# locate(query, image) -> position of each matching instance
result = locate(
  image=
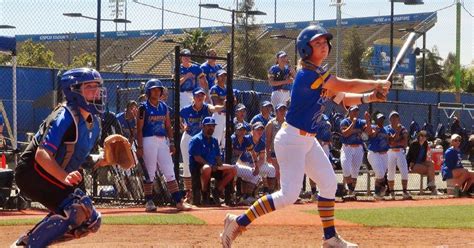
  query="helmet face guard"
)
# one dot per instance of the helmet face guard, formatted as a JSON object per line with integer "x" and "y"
{"x": 95, "y": 106}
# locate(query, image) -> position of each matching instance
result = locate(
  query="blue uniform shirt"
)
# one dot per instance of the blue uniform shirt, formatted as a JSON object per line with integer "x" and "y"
{"x": 126, "y": 124}
{"x": 259, "y": 118}
{"x": 154, "y": 119}
{"x": 452, "y": 160}
{"x": 191, "y": 83}
{"x": 307, "y": 99}
{"x": 193, "y": 118}
{"x": 207, "y": 148}
{"x": 210, "y": 72}
{"x": 53, "y": 139}
{"x": 323, "y": 130}
{"x": 280, "y": 75}
{"x": 217, "y": 91}
{"x": 391, "y": 131}
{"x": 246, "y": 145}
{"x": 379, "y": 142}
{"x": 258, "y": 148}
{"x": 355, "y": 138}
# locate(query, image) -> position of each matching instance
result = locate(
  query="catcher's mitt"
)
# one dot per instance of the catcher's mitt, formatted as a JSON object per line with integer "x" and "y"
{"x": 117, "y": 150}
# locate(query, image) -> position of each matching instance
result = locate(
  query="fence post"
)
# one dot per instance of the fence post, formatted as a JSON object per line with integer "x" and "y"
{"x": 117, "y": 93}
{"x": 430, "y": 112}
{"x": 368, "y": 180}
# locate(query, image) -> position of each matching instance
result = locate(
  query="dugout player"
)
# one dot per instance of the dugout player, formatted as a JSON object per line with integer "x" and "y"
{"x": 191, "y": 76}
{"x": 218, "y": 94}
{"x": 153, "y": 131}
{"x": 453, "y": 168}
{"x": 240, "y": 115}
{"x": 352, "y": 151}
{"x": 128, "y": 120}
{"x": 271, "y": 130}
{"x": 191, "y": 118}
{"x": 280, "y": 77}
{"x": 210, "y": 68}
{"x": 377, "y": 155}
{"x": 398, "y": 140}
{"x": 48, "y": 173}
{"x": 296, "y": 148}
{"x": 265, "y": 113}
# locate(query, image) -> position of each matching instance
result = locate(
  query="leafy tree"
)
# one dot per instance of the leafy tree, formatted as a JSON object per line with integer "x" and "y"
{"x": 84, "y": 60}
{"x": 468, "y": 82}
{"x": 5, "y": 59}
{"x": 197, "y": 42}
{"x": 251, "y": 53}
{"x": 355, "y": 50}
{"x": 36, "y": 54}
{"x": 434, "y": 71}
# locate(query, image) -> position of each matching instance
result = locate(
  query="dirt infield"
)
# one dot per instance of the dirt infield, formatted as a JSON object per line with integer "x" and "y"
{"x": 289, "y": 227}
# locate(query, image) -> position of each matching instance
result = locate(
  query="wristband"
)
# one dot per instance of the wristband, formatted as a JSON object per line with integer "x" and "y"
{"x": 364, "y": 98}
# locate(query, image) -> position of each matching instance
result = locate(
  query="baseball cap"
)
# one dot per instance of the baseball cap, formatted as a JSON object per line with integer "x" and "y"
{"x": 257, "y": 125}
{"x": 281, "y": 54}
{"x": 353, "y": 107}
{"x": 186, "y": 52}
{"x": 393, "y": 113}
{"x": 281, "y": 105}
{"x": 208, "y": 121}
{"x": 239, "y": 125}
{"x": 265, "y": 103}
{"x": 239, "y": 107}
{"x": 220, "y": 72}
{"x": 198, "y": 90}
{"x": 379, "y": 115}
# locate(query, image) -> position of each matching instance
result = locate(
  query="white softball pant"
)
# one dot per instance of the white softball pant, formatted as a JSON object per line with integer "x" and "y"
{"x": 185, "y": 99}
{"x": 298, "y": 155}
{"x": 184, "y": 146}
{"x": 326, "y": 149}
{"x": 156, "y": 152}
{"x": 397, "y": 159}
{"x": 351, "y": 160}
{"x": 245, "y": 172}
{"x": 219, "y": 131}
{"x": 379, "y": 163}
{"x": 279, "y": 96}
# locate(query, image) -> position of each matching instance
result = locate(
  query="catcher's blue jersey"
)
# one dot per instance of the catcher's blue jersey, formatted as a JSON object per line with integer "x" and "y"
{"x": 154, "y": 119}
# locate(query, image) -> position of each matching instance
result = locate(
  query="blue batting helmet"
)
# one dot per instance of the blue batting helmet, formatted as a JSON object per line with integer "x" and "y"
{"x": 308, "y": 34}
{"x": 70, "y": 84}
{"x": 153, "y": 83}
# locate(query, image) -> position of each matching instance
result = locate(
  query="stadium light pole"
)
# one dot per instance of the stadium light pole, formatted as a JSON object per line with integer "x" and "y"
{"x": 406, "y": 2}
{"x": 423, "y": 50}
{"x": 98, "y": 32}
{"x": 282, "y": 36}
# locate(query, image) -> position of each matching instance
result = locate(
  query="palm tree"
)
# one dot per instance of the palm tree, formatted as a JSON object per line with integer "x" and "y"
{"x": 197, "y": 42}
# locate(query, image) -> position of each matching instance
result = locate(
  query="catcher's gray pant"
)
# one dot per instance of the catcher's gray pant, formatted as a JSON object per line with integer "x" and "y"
{"x": 279, "y": 96}
{"x": 184, "y": 146}
{"x": 245, "y": 172}
{"x": 351, "y": 160}
{"x": 379, "y": 163}
{"x": 156, "y": 152}
{"x": 185, "y": 99}
{"x": 396, "y": 158}
{"x": 219, "y": 131}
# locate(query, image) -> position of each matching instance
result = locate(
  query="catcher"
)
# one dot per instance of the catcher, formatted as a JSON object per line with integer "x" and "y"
{"x": 48, "y": 169}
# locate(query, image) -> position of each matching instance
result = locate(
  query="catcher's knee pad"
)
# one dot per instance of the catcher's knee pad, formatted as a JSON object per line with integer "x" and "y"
{"x": 76, "y": 213}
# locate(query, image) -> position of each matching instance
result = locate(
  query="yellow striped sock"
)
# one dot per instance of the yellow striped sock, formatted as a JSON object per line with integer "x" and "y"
{"x": 326, "y": 213}
{"x": 262, "y": 206}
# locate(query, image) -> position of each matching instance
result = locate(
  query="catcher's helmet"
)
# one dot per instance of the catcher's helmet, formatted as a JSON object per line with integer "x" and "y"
{"x": 70, "y": 84}
{"x": 153, "y": 83}
{"x": 308, "y": 34}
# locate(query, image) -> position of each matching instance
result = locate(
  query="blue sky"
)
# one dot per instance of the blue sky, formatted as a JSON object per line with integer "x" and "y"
{"x": 45, "y": 16}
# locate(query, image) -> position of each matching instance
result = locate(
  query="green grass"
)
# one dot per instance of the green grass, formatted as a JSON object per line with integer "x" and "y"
{"x": 174, "y": 219}
{"x": 414, "y": 217}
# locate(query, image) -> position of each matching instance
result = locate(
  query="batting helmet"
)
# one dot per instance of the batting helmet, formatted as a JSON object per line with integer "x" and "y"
{"x": 151, "y": 84}
{"x": 308, "y": 34}
{"x": 70, "y": 84}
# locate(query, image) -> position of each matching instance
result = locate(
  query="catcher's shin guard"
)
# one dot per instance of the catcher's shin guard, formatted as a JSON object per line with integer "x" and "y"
{"x": 78, "y": 219}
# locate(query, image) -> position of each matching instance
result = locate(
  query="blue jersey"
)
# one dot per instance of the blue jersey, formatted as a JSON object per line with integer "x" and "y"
{"x": 323, "y": 130}
{"x": 217, "y": 91}
{"x": 279, "y": 74}
{"x": 257, "y": 148}
{"x": 307, "y": 99}
{"x": 452, "y": 160}
{"x": 191, "y": 83}
{"x": 154, "y": 119}
{"x": 392, "y": 131}
{"x": 379, "y": 142}
{"x": 53, "y": 139}
{"x": 210, "y": 72}
{"x": 246, "y": 145}
{"x": 247, "y": 126}
{"x": 207, "y": 148}
{"x": 259, "y": 118}
{"x": 126, "y": 124}
{"x": 193, "y": 118}
{"x": 356, "y": 137}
